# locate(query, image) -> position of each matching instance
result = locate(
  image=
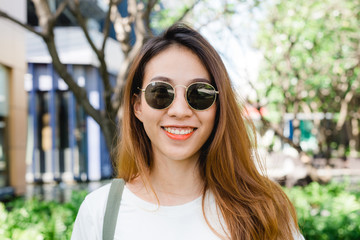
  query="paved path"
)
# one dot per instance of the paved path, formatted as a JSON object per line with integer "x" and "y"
{"x": 278, "y": 166}
{"x": 61, "y": 191}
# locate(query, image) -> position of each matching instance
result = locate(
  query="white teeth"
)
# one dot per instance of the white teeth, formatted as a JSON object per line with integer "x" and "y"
{"x": 178, "y": 131}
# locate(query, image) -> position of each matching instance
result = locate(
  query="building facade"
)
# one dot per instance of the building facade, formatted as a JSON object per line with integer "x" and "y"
{"x": 13, "y": 100}
{"x": 64, "y": 143}
{"x": 45, "y": 135}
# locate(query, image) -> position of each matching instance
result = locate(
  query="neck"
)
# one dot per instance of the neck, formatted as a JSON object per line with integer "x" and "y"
{"x": 175, "y": 182}
{"x": 176, "y": 177}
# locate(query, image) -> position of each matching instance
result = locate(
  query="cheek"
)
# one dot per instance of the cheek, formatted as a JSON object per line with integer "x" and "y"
{"x": 209, "y": 119}
{"x": 212, "y": 123}
{"x": 149, "y": 118}
{"x": 212, "y": 113}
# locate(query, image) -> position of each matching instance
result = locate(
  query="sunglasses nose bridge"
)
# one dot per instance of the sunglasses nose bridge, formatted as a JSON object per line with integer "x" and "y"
{"x": 179, "y": 96}
{"x": 183, "y": 86}
{"x": 180, "y": 86}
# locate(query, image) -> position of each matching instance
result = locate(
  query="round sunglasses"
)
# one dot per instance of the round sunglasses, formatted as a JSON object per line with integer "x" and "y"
{"x": 199, "y": 95}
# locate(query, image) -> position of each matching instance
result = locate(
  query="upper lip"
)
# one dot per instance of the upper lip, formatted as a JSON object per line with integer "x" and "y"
{"x": 177, "y": 126}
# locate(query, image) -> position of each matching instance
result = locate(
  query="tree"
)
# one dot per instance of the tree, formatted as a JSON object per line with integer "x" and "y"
{"x": 312, "y": 65}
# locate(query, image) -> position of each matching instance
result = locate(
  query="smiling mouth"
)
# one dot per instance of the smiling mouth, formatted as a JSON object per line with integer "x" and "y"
{"x": 178, "y": 133}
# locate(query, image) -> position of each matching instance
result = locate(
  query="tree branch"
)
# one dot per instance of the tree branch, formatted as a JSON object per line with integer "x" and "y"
{"x": 147, "y": 12}
{"x": 79, "y": 93}
{"x": 76, "y": 12}
{"x": 46, "y": 21}
{"x": 99, "y": 53}
{"x": 26, "y": 26}
{"x": 345, "y": 104}
{"x": 123, "y": 26}
{"x": 107, "y": 26}
{"x": 60, "y": 9}
{"x": 279, "y": 133}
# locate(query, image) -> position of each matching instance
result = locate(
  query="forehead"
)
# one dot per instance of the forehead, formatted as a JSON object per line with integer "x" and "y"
{"x": 177, "y": 64}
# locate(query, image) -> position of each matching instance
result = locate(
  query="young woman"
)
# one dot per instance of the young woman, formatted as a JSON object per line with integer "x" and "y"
{"x": 187, "y": 154}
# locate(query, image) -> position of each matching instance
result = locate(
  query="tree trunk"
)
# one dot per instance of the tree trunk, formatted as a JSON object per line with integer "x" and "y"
{"x": 354, "y": 137}
{"x": 111, "y": 134}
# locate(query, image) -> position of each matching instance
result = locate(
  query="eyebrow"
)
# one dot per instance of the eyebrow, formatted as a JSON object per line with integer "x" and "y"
{"x": 165, "y": 79}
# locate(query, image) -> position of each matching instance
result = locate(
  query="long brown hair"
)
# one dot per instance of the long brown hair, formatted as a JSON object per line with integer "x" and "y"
{"x": 252, "y": 206}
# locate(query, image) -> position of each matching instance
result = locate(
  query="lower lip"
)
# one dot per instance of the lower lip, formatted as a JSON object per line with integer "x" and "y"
{"x": 178, "y": 136}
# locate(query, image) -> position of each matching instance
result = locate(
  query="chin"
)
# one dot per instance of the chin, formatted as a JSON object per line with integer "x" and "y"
{"x": 185, "y": 158}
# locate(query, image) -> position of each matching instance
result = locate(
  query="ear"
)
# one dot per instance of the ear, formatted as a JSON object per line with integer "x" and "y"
{"x": 137, "y": 106}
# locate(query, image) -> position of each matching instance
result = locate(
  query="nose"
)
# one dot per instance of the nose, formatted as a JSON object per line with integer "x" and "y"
{"x": 179, "y": 107}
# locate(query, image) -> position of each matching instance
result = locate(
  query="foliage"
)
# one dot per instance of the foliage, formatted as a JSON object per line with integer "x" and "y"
{"x": 313, "y": 43}
{"x": 35, "y": 219}
{"x": 312, "y": 65}
{"x": 164, "y": 17}
{"x": 327, "y": 212}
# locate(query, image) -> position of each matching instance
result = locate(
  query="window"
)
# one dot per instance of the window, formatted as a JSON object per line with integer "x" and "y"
{"x": 4, "y": 109}
{"x": 44, "y": 132}
{"x": 3, "y": 158}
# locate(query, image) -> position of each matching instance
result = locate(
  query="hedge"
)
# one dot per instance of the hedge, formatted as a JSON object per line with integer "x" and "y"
{"x": 34, "y": 219}
{"x": 325, "y": 212}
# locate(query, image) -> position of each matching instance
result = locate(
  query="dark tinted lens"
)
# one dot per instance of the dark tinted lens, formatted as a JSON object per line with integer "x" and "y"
{"x": 159, "y": 95}
{"x": 201, "y": 96}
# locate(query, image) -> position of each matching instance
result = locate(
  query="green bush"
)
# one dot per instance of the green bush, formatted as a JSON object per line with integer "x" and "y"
{"x": 39, "y": 220}
{"x": 327, "y": 212}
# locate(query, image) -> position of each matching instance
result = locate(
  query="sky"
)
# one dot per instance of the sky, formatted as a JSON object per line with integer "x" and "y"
{"x": 234, "y": 43}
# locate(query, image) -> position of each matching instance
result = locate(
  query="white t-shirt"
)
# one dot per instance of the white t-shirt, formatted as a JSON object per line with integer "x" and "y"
{"x": 139, "y": 220}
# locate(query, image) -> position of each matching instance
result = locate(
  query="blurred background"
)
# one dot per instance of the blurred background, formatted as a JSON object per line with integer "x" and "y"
{"x": 295, "y": 66}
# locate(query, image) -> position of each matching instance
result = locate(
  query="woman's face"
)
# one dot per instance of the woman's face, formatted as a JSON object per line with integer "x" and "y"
{"x": 177, "y": 132}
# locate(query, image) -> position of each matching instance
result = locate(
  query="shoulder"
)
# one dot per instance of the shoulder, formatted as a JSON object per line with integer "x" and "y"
{"x": 89, "y": 220}
{"x": 98, "y": 197}
{"x": 94, "y": 204}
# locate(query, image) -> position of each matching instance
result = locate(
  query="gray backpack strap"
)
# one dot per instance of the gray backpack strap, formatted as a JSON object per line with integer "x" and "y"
{"x": 112, "y": 208}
